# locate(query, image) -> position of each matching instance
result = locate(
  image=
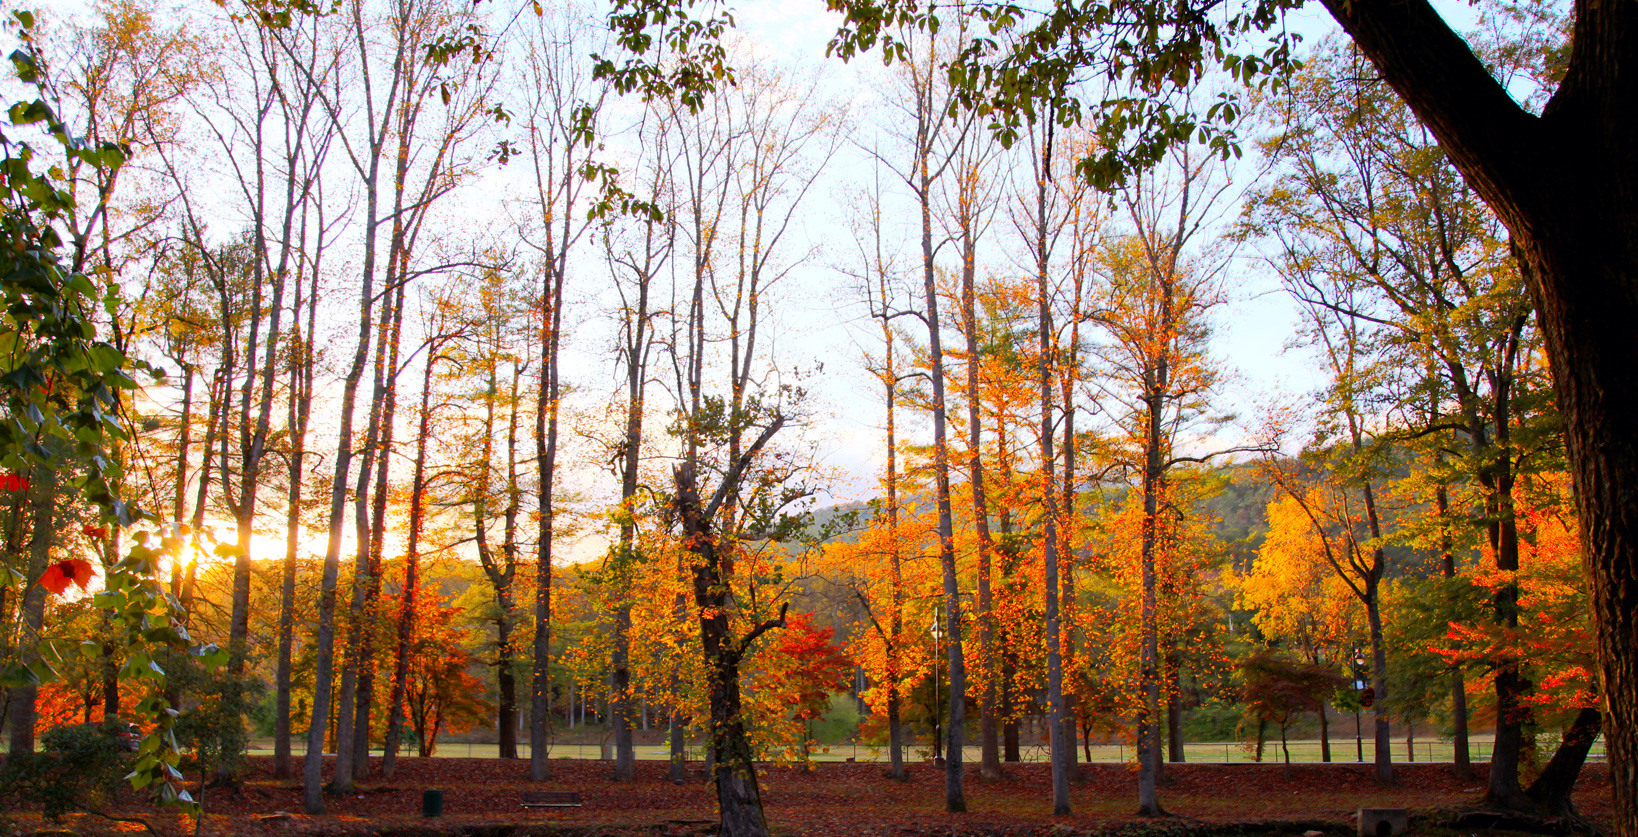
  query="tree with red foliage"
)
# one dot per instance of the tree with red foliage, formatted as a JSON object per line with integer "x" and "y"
{"x": 1551, "y": 645}
{"x": 795, "y": 682}
{"x": 443, "y": 695}
{"x": 1278, "y": 689}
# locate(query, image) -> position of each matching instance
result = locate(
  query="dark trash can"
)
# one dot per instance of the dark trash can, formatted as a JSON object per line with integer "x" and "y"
{"x": 432, "y": 803}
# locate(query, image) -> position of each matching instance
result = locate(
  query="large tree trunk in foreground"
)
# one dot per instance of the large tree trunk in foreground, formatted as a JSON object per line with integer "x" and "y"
{"x": 1566, "y": 185}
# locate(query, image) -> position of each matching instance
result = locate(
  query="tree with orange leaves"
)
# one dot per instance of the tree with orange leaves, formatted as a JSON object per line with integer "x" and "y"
{"x": 875, "y": 573}
{"x": 1181, "y": 562}
{"x": 1152, "y": 303}
{"x": 442, "y": 694}
{"x": 1551, "y": 644}
{"x": 790, "y": 684}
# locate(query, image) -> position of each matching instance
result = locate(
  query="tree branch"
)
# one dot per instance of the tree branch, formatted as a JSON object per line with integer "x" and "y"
{"x": 757, "y": 632}
{"x": 1488, "y": 136}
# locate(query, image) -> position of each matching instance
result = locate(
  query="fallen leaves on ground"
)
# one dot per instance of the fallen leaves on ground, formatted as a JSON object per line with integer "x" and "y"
{"x": 481, "y": 797}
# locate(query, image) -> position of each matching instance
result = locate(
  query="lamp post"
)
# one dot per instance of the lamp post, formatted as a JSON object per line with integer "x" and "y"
{"x": 1359, "y": 689}
{"x": 937, "y": 630}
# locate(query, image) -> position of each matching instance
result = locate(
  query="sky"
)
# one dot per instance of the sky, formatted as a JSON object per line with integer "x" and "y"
{"x": 818, "y": 317}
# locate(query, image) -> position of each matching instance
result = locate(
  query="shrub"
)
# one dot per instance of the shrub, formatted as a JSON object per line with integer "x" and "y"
{"x": 78, "y": 768}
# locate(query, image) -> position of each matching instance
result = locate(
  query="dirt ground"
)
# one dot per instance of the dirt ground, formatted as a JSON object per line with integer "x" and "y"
{"x": 481, "y": 799}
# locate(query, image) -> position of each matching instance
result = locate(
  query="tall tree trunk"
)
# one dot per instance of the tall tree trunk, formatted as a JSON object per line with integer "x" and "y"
{"x": 1011, "y": 752}
{"x": 366, "y": 576}
{"x": 1551, "y": 790}
{"x": 546, "y": 416}
{"x": 412, "y": 571}
{"x": 1069, "y": 365}
{"x": 1379, "y": 680}
{"x": 1458, "y": 687}
{"x": 1325, "y": 732}
{"x": 954, "y": 796}
{"x": 507, "y": 649}
{"x": 300, "y": 407}
{"x": 21, "y": 714}
{"x": 967, "y": 220}
{"x": 895, "y": 639}
{"x": 1059, "y": 746}
{"x": 739, "y": 799}
{"x": 324, "y": 662}
{"x": 1148, "y": 721}
{"x": 387, "y": 396}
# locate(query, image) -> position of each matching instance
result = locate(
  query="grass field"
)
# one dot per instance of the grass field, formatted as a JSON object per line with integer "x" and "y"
{"x": 1305, "y": 751}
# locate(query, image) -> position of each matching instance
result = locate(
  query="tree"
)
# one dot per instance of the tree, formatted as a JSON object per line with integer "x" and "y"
{"x": 560, "y": 162}
{"x": 400, "y": 90}
{"x": 796, "y": 678}
{"x": 972, "y": 205}
{"x": 1548, "y": 645}
{"x": 875, "y": 276}
{"x": 934, "y": 142}
{"x": 1152, "y": 302}
{"x": 1295, "y": 597}
{"x": 1041, "y": 238}
{"x": 1384, "y": 226}
{"x": 442, "y": 694}
{"x": 1278, "y": 689}
{"x": 442, "y": 334}
{"x": 742, "y": 170}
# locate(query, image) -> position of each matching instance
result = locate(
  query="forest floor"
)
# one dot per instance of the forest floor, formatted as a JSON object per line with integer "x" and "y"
{"x": 481, "y": 799}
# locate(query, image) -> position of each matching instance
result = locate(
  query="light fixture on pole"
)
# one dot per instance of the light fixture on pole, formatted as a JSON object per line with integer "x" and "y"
{"x": 937, "y": 630}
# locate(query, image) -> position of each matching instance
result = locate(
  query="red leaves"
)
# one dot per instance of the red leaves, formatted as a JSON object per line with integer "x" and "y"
{"x": 818, "y": 666}
{"x": 58, "y": 576}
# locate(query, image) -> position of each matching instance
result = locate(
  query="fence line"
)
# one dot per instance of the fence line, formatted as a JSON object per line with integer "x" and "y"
{"x": 1305, "y": 751}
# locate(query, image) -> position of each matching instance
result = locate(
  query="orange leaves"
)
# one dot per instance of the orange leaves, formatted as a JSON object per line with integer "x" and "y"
{"x": 813, "y": 667}
{"x": 1553, "y": 639}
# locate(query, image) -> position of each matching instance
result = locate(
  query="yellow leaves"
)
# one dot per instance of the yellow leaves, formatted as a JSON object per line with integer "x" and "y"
{"x": 1291, "y": 588}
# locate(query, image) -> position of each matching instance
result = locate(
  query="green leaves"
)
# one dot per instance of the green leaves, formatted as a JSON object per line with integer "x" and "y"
{"x": 694, "y": 61}
{"x": 58, "y": 394}
{"x": 57, "y": 380}
{"x": 1031, "y": 64}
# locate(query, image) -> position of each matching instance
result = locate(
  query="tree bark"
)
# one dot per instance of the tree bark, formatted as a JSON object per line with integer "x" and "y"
{"x": 405, "y": 632}
{"x": 301, "y": 396}
{"x": 954, "y": 796}
{"x": 1174, "y": 724}
{"x": 1566, "y": 185}
{"x": 1462, "y": 756}
{"x": 1325, "y": 733}
{"x": 1551, "y": 790}
{"x": 1060, "y": 748}
{"x": 739, "y": 799}
{"x": 21, "y": 714}
{"x": 1379, "y": 681}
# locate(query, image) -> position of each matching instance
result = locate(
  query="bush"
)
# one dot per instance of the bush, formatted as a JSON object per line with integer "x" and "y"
{"x": 1212, "y": 722}
{"x": 78, "y": 768}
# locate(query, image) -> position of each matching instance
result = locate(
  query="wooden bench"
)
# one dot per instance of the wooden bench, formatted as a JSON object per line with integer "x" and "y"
{"x": 551, "y": 799}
